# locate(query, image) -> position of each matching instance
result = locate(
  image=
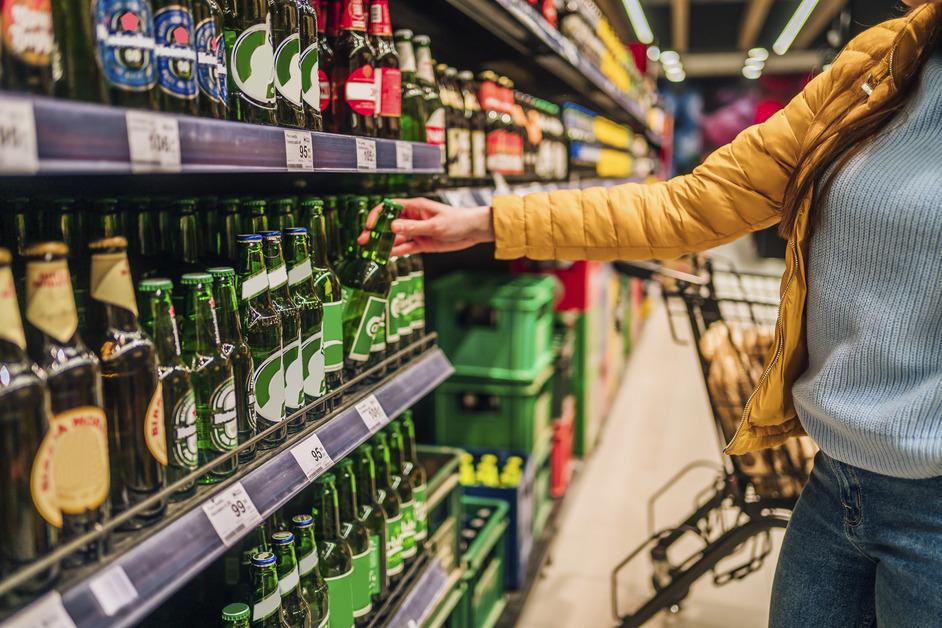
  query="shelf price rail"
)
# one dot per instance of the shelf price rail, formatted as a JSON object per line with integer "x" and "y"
{"x": 146, "y": 567}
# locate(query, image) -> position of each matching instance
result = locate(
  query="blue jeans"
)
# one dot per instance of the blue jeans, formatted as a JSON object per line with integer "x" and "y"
{"x": 861, "y": 549}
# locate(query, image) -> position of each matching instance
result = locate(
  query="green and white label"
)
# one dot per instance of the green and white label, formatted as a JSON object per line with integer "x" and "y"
{"x": 294, "y": 376}
{"x": 288, "y": 69}
{"x": 394, "y": 311}
{"x": 266, "y": 607}
{"x": 420, "y": 495}
{"x": 289, "y": 582}
{"x": 310, "y": 78}
{"x": 394, "y": 545}
{"x": 277, "y": 277}
{"x": 417, "y": 301}
{"x": 307, "y": 563}
{"x": 333, "y": 336}
{"x": 184, "y": 440}
{"x": 223, "y": 433}
{"x": 408, "y": 529}
{"x": 269, "y": 385}
{"x": 254, "y": 285}
{"x": 362, "y": 600}
{"x": 312, "y": 352}
{"x": 375, "y": 571}
{"x": 340, "y": 593}
{"x": 370, "y": 334}
{"x": 252, "y": 65}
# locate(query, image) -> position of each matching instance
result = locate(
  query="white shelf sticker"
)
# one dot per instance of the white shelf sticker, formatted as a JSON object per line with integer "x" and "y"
{"x": 154, "y": 142}
{"x": 232, "y": 512}
{"x": 18, "y": 146}
{"x": 113, "y": 590}
{"x": 299, "y": 149}
{"x": 403, "y": 156}
{"x": 312, "y": 457}
{"x": 366, "y": 154}
{"x": 46, "y": 612}
{"x": 373, "y": 415}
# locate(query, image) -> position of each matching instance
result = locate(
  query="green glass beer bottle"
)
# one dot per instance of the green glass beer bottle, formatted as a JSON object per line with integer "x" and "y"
{"x": 400, "y": 299}
{"x": 334, "y": 230}
{"x": 418, "y": 477}
{"x": 27, "y": 44}
{"x": 417, "y": 308}
{"x": 328, "y": 290}
{"x": 311, "y": 309}
{"x": 365, "y": 574}
{"x": 373, "y": 517}
{"x": 267, "y": 611}
{"x": 349, "y": 220}
{"x": 353, "y": 75}
{"x": 213, "y": 383}
{"x": 401, "y": 468}
{"x": 178, "y": 91}
{"x": 313, "y": 587}
{"x": 295, "y": 607}
{"x": 366, "y": 284}
{"x": 434, "y": 108}
{"x": 250, "y": 60}
{"x": 160, "y": 323}
{"x": 387, "y": 496}
{"x": 282, "y": 214}
{"x": 281, "y": 298}
{"x": 229, "y": 222}
{"x": 75, "y": 68}
{"x": 31, "y": 517}
{"x": 237, "y": 350}
{"x": 132, "y": 390}
{"x": 393, "y": 302}
{"x": 308, "y": 24}
{"x": 286, "y": 42}
{"x": 211, "y": 71}
{"x": 105, "y": 220}
{"x": 125, "y": 39}
{"x": 412, "y": 119}
{"x": 255, "y": 215}
{"x": 236, "y": 615}
{"x": 261, "y": 325}
{"x": 336, "y": 560}
{"x": 73, "y": 376}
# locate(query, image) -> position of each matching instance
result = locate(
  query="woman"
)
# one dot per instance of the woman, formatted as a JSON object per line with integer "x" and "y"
{"x": 851, "y": 170}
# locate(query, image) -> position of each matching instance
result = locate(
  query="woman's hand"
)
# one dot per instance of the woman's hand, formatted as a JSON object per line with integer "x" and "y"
{"x": 427, "y": 226}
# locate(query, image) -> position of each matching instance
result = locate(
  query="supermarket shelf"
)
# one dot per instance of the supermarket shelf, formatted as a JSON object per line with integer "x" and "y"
{"x": 81, "y": 138}
{"x": 418, "y": 594}
{"x": 129, "y": 584}
{"x": 475, "y": 196}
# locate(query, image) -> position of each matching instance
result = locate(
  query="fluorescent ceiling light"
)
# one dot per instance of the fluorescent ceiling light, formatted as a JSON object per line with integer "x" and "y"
{"x": 676, "y": 77}
{"x": 669, "y": 57}
{"x": 639, "y": 22}
{"x": 654, "y": 53}
{"x": 752, "y": 62}
{"x": 795, "y": 24}
{"x": 751, "y": 72}
{"x": 758, "y": 53}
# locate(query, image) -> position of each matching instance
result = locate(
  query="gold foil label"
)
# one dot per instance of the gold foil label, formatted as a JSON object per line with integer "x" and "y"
{"x": 11, "y": 326}
{"x": 50, "y": 304}
{"x": 111, "y": 281}
{"x": 154, "y": 426}
{"x": 42, "y": 481}
{"x": 80, "y": 459}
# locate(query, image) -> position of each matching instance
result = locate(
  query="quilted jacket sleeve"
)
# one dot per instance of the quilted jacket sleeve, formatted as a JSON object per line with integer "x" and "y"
{"x": 736, "y": 190}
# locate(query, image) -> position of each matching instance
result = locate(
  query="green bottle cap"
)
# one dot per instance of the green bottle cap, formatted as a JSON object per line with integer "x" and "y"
{"x": 302, "y": 521}
{"x": 153, "y": 285}
{"x": 192, "y": 279}
{"x": 263, "y": 559}
{"x": 345, "y": 463}
{"x": 282, "y": 537}
{"x": 185, "y": 203}
{"x": 255, "y": 204}
{"x": 236, "y": 612}
{"x": 221, "y": 271}
{"x": 105, "y": 203}
{"x": 312, "y": 201}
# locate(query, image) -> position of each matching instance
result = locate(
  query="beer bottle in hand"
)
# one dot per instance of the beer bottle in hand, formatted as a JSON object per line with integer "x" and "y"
{"x": 176, "y": 56}
{"x": 308, "y": 24}
{"x": 353, "y": 74}
{"x": 286, "y": 42}
{"x": 251, "y": 62}
{"x": 311, "y": 309}
{"x": 211, "y": 70}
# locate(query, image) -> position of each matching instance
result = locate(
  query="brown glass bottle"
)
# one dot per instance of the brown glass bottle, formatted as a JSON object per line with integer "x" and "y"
{"x": 27, "y": 45}
{"x": 308, "y": 24}
{"x": 325, "y": 61}
{"x": 75, "y": 69}
{"x": 353, "y": 74}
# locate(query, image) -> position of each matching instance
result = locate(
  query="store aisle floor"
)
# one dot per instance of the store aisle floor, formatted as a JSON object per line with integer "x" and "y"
{"x": 660, "y": 421}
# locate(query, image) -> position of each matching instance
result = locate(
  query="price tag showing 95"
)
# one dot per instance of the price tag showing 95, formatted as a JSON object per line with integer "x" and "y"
{"x": 312, "y": 457}
{"x": 299, "y": 150}
{"x": 153, "y": 142}
{"x": 232, "y": 512}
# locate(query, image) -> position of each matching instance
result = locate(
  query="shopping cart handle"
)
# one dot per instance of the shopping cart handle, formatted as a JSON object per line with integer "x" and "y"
{"x": 648, "y": 270}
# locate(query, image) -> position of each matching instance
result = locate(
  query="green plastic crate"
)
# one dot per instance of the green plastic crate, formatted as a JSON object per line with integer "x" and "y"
{"x": 444, "y": 501}
{"x": 485, "y": 414}
{"x": 495, "y": 326}
{"x": 484, "y": 564}
{"x": 542, "y": 498}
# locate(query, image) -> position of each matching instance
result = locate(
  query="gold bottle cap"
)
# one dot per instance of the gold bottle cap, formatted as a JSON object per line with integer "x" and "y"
{"x": 114, "y": 242}
{"x": 5, "y": 257}
{"x": 42, "y": 249}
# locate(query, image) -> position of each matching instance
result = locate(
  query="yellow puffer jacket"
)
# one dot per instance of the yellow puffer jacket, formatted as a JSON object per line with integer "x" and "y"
{"x": 738, "y": 189}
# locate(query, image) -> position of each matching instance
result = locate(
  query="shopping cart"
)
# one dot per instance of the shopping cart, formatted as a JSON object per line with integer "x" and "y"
{"x": 732, "y": 317}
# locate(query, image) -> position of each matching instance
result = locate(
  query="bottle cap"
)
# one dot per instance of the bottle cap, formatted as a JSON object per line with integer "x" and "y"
{"x": 248, "y": 237}
{"x": 153, "y": 285}
{"x": 221, "y": 271}
{"x": 302, "y": 521}
{"x": 43, "y": 249}
{"x": 5, "y": 257}
{"x": 114, "y": 242}
{"x": 192, "y": 279}
{"x": 105, "y": 203}
{"x": 282, "y": 201}
{"x": 282, "y": 537}
{"x": 366, "y": 448}
{"x": 421, "y": 40}
{"x": 296, "y": 231}
{"x": 403, "y": 33}
{"x": 312, "y": 201}
{"x": 326, "y": 478}
{"x": 185, "y": 203}
{"x": 237, "y": 611}
{"x": 263, "y": 559}
{"x": 257, "y": 203}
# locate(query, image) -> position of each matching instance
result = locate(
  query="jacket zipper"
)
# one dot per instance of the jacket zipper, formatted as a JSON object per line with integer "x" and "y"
{"x": 779, "y": 349}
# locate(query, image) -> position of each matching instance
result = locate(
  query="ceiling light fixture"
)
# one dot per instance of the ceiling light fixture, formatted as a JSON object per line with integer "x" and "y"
{"x": 758, "y": 53}
{"x": 795, "y": 24}
{"x": 639, "y": 22}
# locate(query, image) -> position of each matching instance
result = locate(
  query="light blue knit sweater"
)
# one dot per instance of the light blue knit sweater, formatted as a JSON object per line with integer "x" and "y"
{"x": 872, "y": 394}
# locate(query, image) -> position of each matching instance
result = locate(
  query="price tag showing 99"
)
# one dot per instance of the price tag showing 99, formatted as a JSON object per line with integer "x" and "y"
{"x": 231, "y": 513}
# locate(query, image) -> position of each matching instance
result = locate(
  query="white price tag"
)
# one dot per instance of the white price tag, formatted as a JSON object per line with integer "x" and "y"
{"x": 46, "y": 612}
{"x": 373, "y": 415}
{"x": 232, "y": 512}
{"x": 113, "y": 590}
{"x": 366, "y": 154}
{"x": 453, "y": 197}
{"x": 18, "y": 151}
{"x": 299, "y": 149}
{"x": 312, "y": 457}
{"x": 403, "y": 156}
{"x": 154, "y": 142}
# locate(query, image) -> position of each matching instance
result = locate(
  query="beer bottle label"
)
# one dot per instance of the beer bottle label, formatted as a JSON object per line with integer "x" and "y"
{"x": 360, "y": 90}
{"x": 42, "y": 483}
{"x": 11, "y": 326}
{"x": 311, "y": 89}
{"x": 393, "y": 311}
{"x": 50, "y": 304}
{"x": 266, "y": 607}
{"x": 269, "y": 388}
{"x": 380, "y": 24}
{"x": 312, "y": 352}
{"x": 324, "y": 89}
{"x": 333, "y": 336}
{"x": 253, "y": 65}
{"x": 154, "y": 435}
{"x": 221, "y": 434}
{"x": 375, "y": 571}
{"x": 80, "y": 469}
{"x": 417, "y": 309}
{"x": 288, "y": 69}
{"x": 435, "y": 127}
{"x": 211, "y": 61}
{"x": 408, "y": 529}
{"x": 394, "y": 545}
{"x": 370, "y": 331}
{"x": 27, "y": 30}
{"x": 176, "y": 56}
{"x": 254, "y": 285}
{"x": 362, "y": 601}
{"x": 125, "y": 33}
{"x": 111, "y": 281}
{"x": 420, "y": 496}
{"x": 390, "y": 92}
{"x": 306, "y": 564}
{"x": 289, "y": 582}
{"x": 340, "y": 594}
{"x": 352, "y": 16}
{"x": 294, "y": 377}
{"x": 185, "y": 448}
{"x": 299, "y": 273}
{"x": 478, "y": 153}
{"x": 277, "y": 277}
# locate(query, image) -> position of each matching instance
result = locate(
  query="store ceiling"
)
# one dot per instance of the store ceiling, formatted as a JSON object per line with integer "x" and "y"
{"x": 712, "y": 35}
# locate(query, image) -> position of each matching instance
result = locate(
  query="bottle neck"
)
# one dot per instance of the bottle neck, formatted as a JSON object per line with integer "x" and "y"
{"x": 347, "y": 495}
{"x": 161, "y": 324}
{"x": 296, "y": 251}
{"x": 253, "y": 277}
{"x": 383, "y": 472}
{"x": 352, "y": 17}
{"x": 318, "y": 229}
{"x": 277, "y": 270}
{"x": 425, "y": 71}
{"x": 406, "y": 60}
{"x": 227, "y": 313}
{"x": 186, "y": 243}
{"x": 328, "y": 517}
{"x": 381, "y": 241}
{"x": 112, "y": 288}
{"x": 202, "y": 331}
{"x": 365, "y": 477}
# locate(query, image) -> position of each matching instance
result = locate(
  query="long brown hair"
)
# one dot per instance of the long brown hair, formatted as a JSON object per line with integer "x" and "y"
{"x": 838, "y": 143}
